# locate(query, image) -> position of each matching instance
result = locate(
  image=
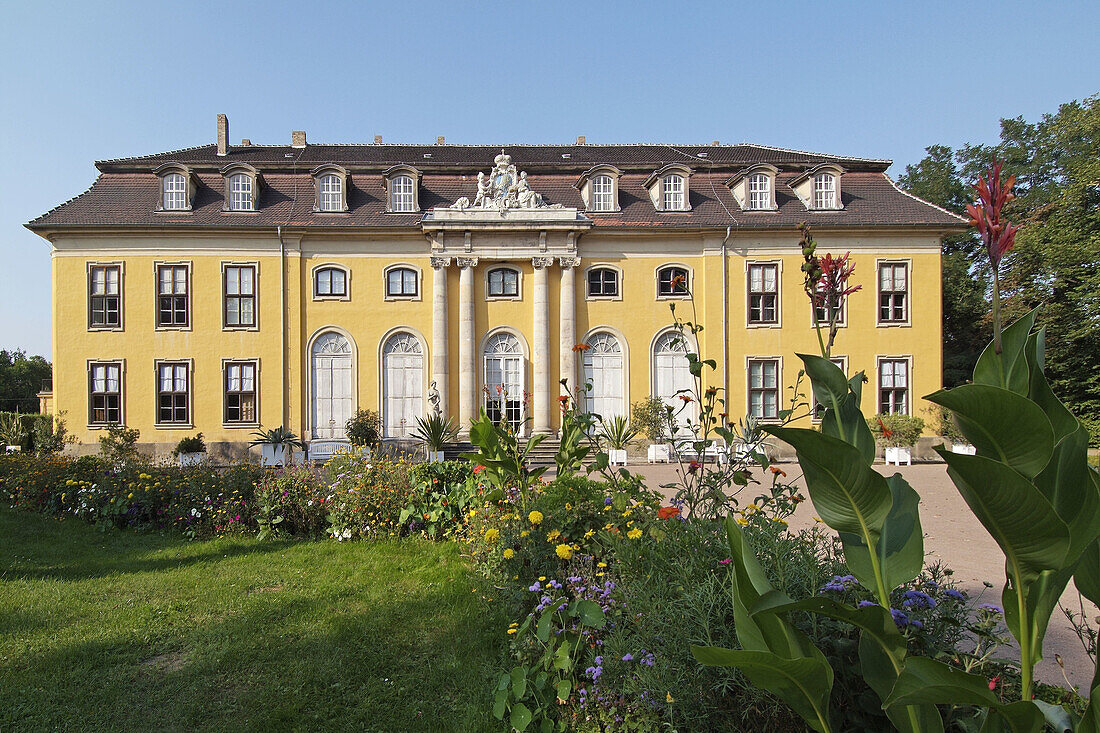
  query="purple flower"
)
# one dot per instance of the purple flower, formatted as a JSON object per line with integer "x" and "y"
{"x": 628, "y": 657}
{"x": 952, "y": 593}
{"x": 900, "y": 618}
{"x": 535, "y": 588}
{"x": 989, "y": 607}
{"x": 607, "y": 501}
{"x": 866, "y": 604}
{"x": 918, "y": 599}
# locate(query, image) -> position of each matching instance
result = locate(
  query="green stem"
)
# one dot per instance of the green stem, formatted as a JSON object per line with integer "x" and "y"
{"x": 1026, "y": 662}
{"x": 996, "y": 309}
{"x": 817, "y": 328}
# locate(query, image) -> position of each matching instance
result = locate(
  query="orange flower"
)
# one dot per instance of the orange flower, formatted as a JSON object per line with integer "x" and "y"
{"x": 581, "y": 347}
{"x": 668, "y": 512}
{"x": 886, "y": 432}
{"x": 686, "y": 398}
{"x": 779, "y": 472}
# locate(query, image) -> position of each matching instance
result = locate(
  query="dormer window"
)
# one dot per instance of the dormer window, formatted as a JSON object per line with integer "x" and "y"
{"x": 754, "y": 187}
{"x": 241, "y": 187}
{"x": 668, "y": 188}
{"x": 760, "y": 191}
{"x": 177, "y": 188}
{"x": 599, "y": 187}
{"x": 331, "y": 185}
{"x": 825, "y": 191}
{"x": 402, "y": 184}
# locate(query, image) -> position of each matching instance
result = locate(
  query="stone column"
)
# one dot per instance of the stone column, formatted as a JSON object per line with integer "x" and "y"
{"x": 467, "y": 360}
{"x": 568, "y": 319}
{"x": 540, "y": 351}
{"x": 441, "y": 371}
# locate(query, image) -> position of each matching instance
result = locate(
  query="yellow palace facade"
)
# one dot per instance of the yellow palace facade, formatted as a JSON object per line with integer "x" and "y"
{"x": 226, "y": 288}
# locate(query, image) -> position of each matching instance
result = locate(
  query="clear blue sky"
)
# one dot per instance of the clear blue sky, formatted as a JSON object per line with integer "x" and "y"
{"x": 84, "y": 81}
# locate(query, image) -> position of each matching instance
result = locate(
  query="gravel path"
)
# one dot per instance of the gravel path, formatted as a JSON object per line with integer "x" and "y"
{"x": 953, "y": 535}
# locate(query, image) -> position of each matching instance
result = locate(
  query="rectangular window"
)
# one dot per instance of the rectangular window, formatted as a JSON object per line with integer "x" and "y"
{"x": 175, "y": 192}
{"x": 603, "y": 196}
{"x": 838, "y": 310}
{"x": 332, "y": 197}
{"x": 104, "y": 296}
{"x": 893, "y": 386}
{"x": 240, "y": 296}
{"x": 764, "y": 388}
{"x": 672, "y": 193}
{"x": 401, "y": 196}
{"x": 172, "y": 393}
{"x": 603, "y": 282}
{"x": 240, "y": 392}
{"x": 764, "y": 294}
{"x": 760, "y": 196}
{"x": 503, "y": 283}
{"x": 893, "y": 292}
{"x": 172, "y": 299}
{"x": 672, "y": 281}
{"x": 240, "y": 192}
{"x": 842, "y": 362}
{"x": 331, "y": 282}
{"x": 825, "y": 191}
{"x": 105, "y": 393}
{"x": 401, "y": 283}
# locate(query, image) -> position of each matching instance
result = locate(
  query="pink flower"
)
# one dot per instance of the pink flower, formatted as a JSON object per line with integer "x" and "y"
{"x": 727, "y": 561}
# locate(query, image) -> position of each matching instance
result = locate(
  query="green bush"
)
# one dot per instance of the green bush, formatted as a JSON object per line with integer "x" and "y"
{"x": 896, "y": 430}
{"x": 364, "y": 428}
{"x": 649, "y": 417}
{"x": 190, "y": 444}
{"x": 119, "y": 444}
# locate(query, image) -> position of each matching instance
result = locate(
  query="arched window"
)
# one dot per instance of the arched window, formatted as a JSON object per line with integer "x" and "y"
{"x": 332, "y": 385}
{"x": 402, "y": 282}
{"x": 673, "y": 281}
{"x": 402, "y": 384}
{"x": 825, "y": 191}
{"x": 175, "y": 192}
{"x": 603, "y": 194}
{"x": 401, "y": 194}
{"x": 331, "y": 192}
{"x": 504, "y": 380}
{"x": 760, "y": 194}
{"x": 672, "y": 193}
{"x": 603, "y": 282}
{"x": 240, "y": 192}
{"x": 330, "y": 282}
{"x": 603, "y": 373}
{"x": 672, "y": 377}
{"x": 503, "y": 282}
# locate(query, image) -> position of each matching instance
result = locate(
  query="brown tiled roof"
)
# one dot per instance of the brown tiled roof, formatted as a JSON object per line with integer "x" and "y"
{"x": 127, "y": 191}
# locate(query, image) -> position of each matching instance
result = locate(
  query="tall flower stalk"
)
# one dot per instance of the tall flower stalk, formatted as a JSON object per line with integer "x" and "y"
{"x": 826, "y": 284}
{"x": 997, "y": 233}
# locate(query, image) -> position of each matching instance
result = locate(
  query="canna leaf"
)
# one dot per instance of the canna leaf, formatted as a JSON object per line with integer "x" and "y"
{"x": 927, "y": 681}
{"x": 900, "y": 549}
{"x": 1009, "y": 369}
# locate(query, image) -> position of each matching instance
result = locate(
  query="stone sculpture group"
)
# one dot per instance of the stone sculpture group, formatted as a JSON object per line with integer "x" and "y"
{"x": 502, "y": 189}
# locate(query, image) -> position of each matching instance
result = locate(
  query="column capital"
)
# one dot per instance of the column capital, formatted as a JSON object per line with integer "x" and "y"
{"x": 466, "y": 262}
{"x": 542, "y": 262}
{"x": 438, "y": 263}
{"x": 569, "y": 262}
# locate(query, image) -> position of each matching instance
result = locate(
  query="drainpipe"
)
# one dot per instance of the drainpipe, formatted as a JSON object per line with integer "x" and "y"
{"x": 282, "y": 326}
{"x": 726, "y": 321}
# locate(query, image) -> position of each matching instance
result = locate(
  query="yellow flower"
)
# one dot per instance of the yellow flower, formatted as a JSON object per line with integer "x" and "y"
{"x": 509, "y": 554}
{"x": 535, "y": 517}
{"x": 565, "y": 552}
{"x": 634, "y": 533}
{"x": 589, "y": 533}
{"x": 552, "y": 535}
{"x": 818, "y": 520}
{"x": 524, "y": 533}
{"x": 601, "y": 565}
{"x": 511, "y": 631}
{"x": 492, "y": 535}
{"x": 777, "y": 520}
{"x": 568, "y": 505}
{"x": 542, "y": 578}
{"x": 742, "y": 521}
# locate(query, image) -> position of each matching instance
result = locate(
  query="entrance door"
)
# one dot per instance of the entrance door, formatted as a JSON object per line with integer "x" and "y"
{"x": 402, "y": 385}
{"x": 603, "y": 369}
{"x": 331, "y": 395}
{"x": 670, "y": 367}
{"x": 504, "y": 397}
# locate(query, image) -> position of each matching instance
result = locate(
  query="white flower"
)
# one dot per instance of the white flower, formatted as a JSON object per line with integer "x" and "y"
{"x": 346, "y": 534}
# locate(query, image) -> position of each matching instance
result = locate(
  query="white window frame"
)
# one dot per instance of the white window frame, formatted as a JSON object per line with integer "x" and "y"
{"x": 825, "y": 197}
{"x": 754, "y": 193}
{"x": 673, "y": 190}
{"x": 255, "y": 295}
{"x": 908, "y": 263}
{"x": 402, "y": 194}
{"x": 174, "y": 192}
{"x": 90, "y": 382}
{"x": 778, "y": 265}
{"x": 749, "y": 361}
{"x": 418, "y": 280}
{"x": 687, "y": 286}
{"x": 189, "y": 392}
{"x": 313, "y": 281}
{"x": 603, "y": 199}
{"x": 489, "y": 295}
{"x": 330, "y": 193}
{"x": 121, "y": 267}
{"x": 157, "y": 294}
{"x": 241, "y": 197}
{"x": 226, "y": 365}
{"x": 908, "y": 360}
{"x": 589, "y": 295}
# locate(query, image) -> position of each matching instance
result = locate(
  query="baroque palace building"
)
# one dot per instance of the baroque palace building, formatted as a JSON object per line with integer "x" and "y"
{"x": 223, "y": 288}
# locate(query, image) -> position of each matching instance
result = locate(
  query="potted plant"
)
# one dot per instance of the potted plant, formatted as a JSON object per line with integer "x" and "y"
{"x": 434, "y": 432}
{"x": 364, "y": 429}
{"x": 276, "y": 445}
{"x": 897, "y": 434}
{"x": 12, "y": 431}
{"x": 618, "y": 433}
{"x": 190, "y": 451}
{"x": 649, "y": 416}
{"x": 950, "y": 430}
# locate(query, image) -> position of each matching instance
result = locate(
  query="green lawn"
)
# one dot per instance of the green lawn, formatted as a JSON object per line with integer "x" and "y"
{"x": 121, "y": 630}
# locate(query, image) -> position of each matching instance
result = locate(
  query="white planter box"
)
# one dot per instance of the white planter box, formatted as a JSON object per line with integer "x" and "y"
{"x": 897, "y": 455}
{"x": 964, "y": 449}
{"x": 658, "y": 452}
{"x": 435, "y": 456}
{"x": 15, "y": 449}
{"x": 191, "y": 459}
{"x": 272, "y": 455}
{"x": 616, "y": 457}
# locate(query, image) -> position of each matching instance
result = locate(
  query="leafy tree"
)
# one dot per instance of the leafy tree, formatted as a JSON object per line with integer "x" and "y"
{"x": 21, "y": 378}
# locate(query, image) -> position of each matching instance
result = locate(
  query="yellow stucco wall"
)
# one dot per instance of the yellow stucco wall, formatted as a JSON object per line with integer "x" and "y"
{"x": 367, "y": 317}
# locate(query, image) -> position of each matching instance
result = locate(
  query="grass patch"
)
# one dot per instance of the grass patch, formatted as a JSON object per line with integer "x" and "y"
{"x": 121, "y": 630}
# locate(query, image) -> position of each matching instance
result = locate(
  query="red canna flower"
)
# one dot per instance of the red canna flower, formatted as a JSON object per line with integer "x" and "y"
{"x": 986, "y": 214}
{"x": 993, "y": 682}
{"x": 778, "y": 472}
{"x": 886, "y": 432}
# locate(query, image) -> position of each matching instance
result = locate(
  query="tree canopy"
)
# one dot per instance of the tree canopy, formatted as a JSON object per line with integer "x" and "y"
{"x": 21, "y": 378}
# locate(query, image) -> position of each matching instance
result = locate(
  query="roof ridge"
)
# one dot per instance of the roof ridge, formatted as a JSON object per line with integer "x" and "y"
{"x": 901, "y": 190}
{"x": 153, "y": 155}
{"x": 83, "y": 193}
{"x": 811, "y": 152}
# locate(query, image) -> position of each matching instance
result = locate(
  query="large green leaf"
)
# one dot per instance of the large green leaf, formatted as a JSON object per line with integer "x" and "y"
{"x": 1001, "y": 424}
{"x": 520, "y": 717}
{"x": 1015, "y": 513}
{"x": 925, "y": 680}
{"x": 1061, "y": 419}
{"x": 878, "y": 671}
{"x": 590, "y": 614}
{"x": 900, "y": 548}
{"x": 1018, "y": 717}
{"x": 1042, "y": 595}
{"x": 1090, "y": 721}
{"x": 1087, "y": 575}
{"x": 1008, "y": 369}
{"x": 847, "y": 493}
{"x": 1066, "y": 483}
{"x": 829, "y": 383}
{"x": 804, "y": 684}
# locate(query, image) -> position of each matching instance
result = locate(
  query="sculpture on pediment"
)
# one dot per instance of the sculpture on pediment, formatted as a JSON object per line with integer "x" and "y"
{"x": 503, "y": 188}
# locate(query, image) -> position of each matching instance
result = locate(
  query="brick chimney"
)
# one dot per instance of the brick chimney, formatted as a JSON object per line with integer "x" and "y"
{"x": 377, "y": 139}
{"x": 714, "y": 143}
{"x": 223, "y": 135}
{"x": 580, "y": 140}
{"x": 440, "y": 140}
{"x": 298, "y": 139}
{"x": 245, "y": 142}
